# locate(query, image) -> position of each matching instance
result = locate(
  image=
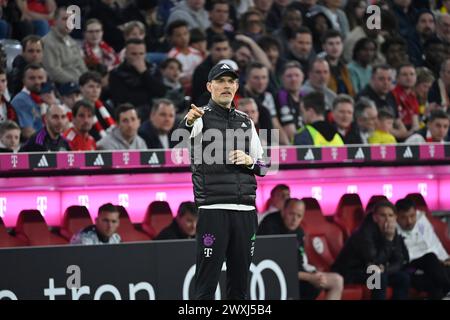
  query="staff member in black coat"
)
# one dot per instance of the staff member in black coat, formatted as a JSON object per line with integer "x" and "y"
{"x": 226, "y": 154}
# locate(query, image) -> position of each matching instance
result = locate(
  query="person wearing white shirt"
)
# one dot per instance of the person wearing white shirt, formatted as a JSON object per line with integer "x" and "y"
{"x": 428, "y": 259}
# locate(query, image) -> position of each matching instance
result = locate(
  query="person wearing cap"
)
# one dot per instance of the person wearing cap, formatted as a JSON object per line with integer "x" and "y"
{"x": 69, "y": 93}
{"x": 224, "y": 186}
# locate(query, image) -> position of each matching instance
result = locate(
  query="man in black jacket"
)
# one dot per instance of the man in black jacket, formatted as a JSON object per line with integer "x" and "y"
{"x": 226, "y": 154}
{"x": 183, "y": 226}
{"x": 376, "y": 246}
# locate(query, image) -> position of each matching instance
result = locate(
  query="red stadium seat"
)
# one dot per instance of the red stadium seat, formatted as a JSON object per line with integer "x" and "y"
{"x": 373, "y": 200}
{"x": 75, "y": 219}
{"x": 349, "y": 213}
{"x": 126, "y": 229}
{"x": 323, "y": 242}
{"x": 6, "y": 240}
{"x": 32, "y": 228}
{"x": 158, "y": 216}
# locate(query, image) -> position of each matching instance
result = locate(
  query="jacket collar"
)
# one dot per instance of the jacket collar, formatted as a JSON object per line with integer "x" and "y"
{"x": 224, "y": 112}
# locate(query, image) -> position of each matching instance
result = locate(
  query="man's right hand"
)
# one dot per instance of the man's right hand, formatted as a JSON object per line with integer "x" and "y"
{"x": 193, "y": 114}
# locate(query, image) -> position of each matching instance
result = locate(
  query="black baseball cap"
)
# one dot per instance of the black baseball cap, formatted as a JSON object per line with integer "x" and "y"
{"x": 221, "y": 69}
{"x": 68, "y": 88}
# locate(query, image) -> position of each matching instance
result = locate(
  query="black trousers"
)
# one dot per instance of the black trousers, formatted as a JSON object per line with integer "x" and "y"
{"x": 224, "y": 235}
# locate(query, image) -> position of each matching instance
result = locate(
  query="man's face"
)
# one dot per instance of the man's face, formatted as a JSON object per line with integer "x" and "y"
{"x": 34, "y": 79}
{"x": 258, "y": 80}
{"x": 396, "y": 55}
{"x": 3, "y": 83}
{"x": 220, "y": 50}
{"x": 425, "y": 25}
{"x": 129, "y": 124}
{"x": 293, "y": 19}
{"x": 107, "y": 223}
{"x": 273, "y": 54}
{"x": 93, "y": 33}
{"x": 135, "y": 52}
{"x": 33, "y": 53}
{"x": 407, "y": 219}
{"x": 219, "y": 14}
{"x": 367, "y": 53}
{"x": 164, "y": 118}
{"x": 368, "y": 120}
{"x": 382, "y": 81}
{"x": 180, "y": 37}
{"x": 136, "y": 33}
{"x": 292, "y": 79}
{"x": 172, "y": 72}
{"x": 333, "y": 47}
{"x": 302, "y": 45}
{"x": 91, "y": 91}
{"x": 243, "y": 56}
{"x": 293, "y": 215}
{"x": 443, "y": 28}
{"x": 56, "y": 120}
{"x": 251, "y": 109}
{"x": 84, "y": 120}
{"x": 319, "y": 74}
{"x": 61, "y": 22}
{"x": 383, "y": 216}
{"x": 223, "y": 89}
{"x": 407, "y": 77}
{"x": 445, "y": 73}
{"x": 70, "y": 99}
{"x": 279, "y": 198}
{"x": 11, "y": 139}
{"x": 343, "y": 115}
{"x": 423, "y": 88}
{"x": 188, "y": 223}
{"x": 439, "y": 129}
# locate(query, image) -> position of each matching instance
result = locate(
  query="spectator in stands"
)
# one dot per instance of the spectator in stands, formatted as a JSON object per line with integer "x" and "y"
{"x": 360, "y": 67}
{"x": 91, "y": 88}
{"x": 171, "y": 70}
{"x": 376, "y": 244}
{"x": 264, "y": 8}
{"x": 31, "y": 53}
{"x": 105, "y": 229}
{"x": 95, "y": 50}
{"x": 183, "y": 226}
{"x": 340, "y": 81}
{"x": 278, "y": 196}
{"x": 425, "y": 79}
{"x": 366, "y": 115}
{"x": 443, "y": 27}
{"x": 300, "y": 47}
{"x": 69, "y": 93}
{"x": 406, "y": 15}
{"x": 406, "y": 100}
{"x": 132, "y": 30}
{"x": 332, "y": 9}
{"x": 252, "y": 24}
{"x": 27, "y": 103}
{"x": 156, "y": 131}
{"x": 125, "y": 135}
{"x": 311, "y": 281}
{"x": 435, "y": 52}
{"x": 9, "y": 136}
{"x": 190, "y": 58}
{"x": 62, "y": 56}
{"x": 250, "y": 108}
{"x": 343, "y": 109}
{"x": 425, "y": 28}
{"x": 317, "y": 131}
{"x": 384, "y": 127}
{"x": 318, "y": 78}
{"x": 256, "y": 88}
{"x": 198, "y": 41}
{"x": 291, "y": 21}
{"x": 354, "y": 10}
{"x": 83, "y": 119}
{"x": 395, "y": 51}
{"x": 272, "y": 47}
{"x": 7, "y": 112}
{"x": 35, "y": 16}
{"x": 50, "y": 137}
{"x": 133, "y": 80}
{"x": 436, "y": 129}
{"x": 429, "y": 261}
{"x": 219, "y": 15}
{"x": 439, "y": 94}
{"x": 318, "y": 23}
{"x": 219, "y": 48}
{"x": 191, "y": 11}
{"x": 288, "y": 99}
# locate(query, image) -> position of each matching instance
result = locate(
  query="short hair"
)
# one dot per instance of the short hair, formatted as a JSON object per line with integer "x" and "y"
{"x": 266, "y": 42}
{"x": 362, "y": 105}
{"x": 90, "y": 76}
{"x": 82, "y": 104}
{"x": 291, "y": 64}
{"x": 129, "y": 26}
{"x": 360, "y": 44}
{"x": 197, "y": 35}
{"x": 292, "y": 34}
{"x": 315, "y": 100}
{"x": 2, "y": 70}
{"x": 404, "y": 65}
{"x": 246, "y": 101}
{"x": 438, "y": 114}
{"x": 236, "y": 45}
{"x": 424, "y": 75}
{"x": 185, "y": 207}
{"x": 391, "y": 41}
{"x": 32, "y": 66}
{"x": 175, "y": 25}
{"x": 168, "y": 61}
{"x": 92, "y": 21}
{"x": 134, "y": 41}
{"x": 384, "y": 204}
{"x": 331, "y": 34}
{"x": 108, "y": 207}
{"x": 158, "y": 102}
{"x": 342, "y": 98}
{"x": 58, "y": 10}
{"x": 255, "y": 65}
{"x": 316, "y": 60}
{"x": 404, "y": 204}
{"x": 377, "y": 67}
{"x": 32, "y": 38}
{"x": 295, "y": 200}
{"x": 8, "y": 125}
{"x": 279, "y": 187}
{"x": 384, "y": 114}
{"x": 122, "y": 108}
{"x": 217, "y": 38}
{"x": 209, "y": 6}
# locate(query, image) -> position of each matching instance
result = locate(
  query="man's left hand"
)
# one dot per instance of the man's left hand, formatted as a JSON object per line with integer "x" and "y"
{"x": 241, "y": 158}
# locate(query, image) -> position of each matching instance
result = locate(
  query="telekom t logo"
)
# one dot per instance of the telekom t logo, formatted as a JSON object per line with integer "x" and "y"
{"x": 2, "y": 207}
{"x": 83, "y": 200}
{"x": 14, "y": 161}
{"x": 41, "y": 204}
{"x": 124, "y": 200}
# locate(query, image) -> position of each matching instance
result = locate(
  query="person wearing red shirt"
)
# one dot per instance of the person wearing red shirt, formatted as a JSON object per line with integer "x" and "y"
{"x": 83, "y": 119}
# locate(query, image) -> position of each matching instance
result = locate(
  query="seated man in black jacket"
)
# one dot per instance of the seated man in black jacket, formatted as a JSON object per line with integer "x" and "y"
{"x": 311, "y": 281}
{"x": 183, "y": 226}
{"x": 377, "y": 245}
